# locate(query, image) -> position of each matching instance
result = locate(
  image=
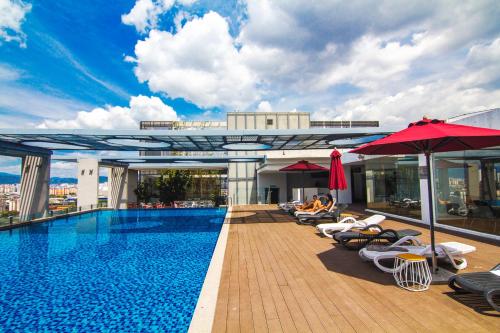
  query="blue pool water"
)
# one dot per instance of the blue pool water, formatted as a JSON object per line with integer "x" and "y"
{"x": 108, "y": 271}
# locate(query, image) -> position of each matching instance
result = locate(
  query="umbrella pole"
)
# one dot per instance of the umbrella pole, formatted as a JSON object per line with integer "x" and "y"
{"x": 303, "y": 200}
{"x": 431, "y": 212}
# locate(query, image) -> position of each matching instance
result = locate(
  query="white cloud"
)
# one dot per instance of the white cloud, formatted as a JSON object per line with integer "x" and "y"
{"x": 199, "y": 63}
{"x": 59, "y": 50}
{"x": 8, "y": 74}
{"x": 145, "y": 14}
{"x": 371, "y": 62}
{"x": 12, "y": 15}
{"x": 440, "y": 99}
{"x": 28, "y": 104}
{"x": 264, "y": 106}
{"x": 358, "y": 59}
{"x": 111, "y": 117}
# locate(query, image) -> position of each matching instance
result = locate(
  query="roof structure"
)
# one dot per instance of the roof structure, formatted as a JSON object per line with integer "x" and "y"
{"x": 190, "y": 140}
{"x": 181, "y": 160}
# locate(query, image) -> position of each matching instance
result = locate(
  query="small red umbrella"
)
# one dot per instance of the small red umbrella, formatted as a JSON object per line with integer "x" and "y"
{"x": 336, "y": 180}
{"x": 303, "y": 166}
{"x": 430, "y": 136}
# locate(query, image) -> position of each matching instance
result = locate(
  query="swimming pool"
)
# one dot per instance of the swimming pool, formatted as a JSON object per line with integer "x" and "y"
{"x": 114, "y": 271}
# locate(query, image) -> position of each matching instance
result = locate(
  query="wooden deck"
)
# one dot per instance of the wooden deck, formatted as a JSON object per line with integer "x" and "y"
{"x": 282, "y": 277}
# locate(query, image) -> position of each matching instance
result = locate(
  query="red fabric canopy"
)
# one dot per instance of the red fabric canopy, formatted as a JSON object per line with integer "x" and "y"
{"x": 432, "y": 136}
{"x": 336, "y": 181}
{"x": 304, "y": 166}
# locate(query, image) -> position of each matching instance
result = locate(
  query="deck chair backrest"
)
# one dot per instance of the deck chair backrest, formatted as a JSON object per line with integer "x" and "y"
{"x": 332, "y": 208}
{"x": 374, "y": 219}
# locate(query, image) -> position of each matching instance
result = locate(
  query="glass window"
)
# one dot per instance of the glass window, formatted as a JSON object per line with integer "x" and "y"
{"x": 467, "y": 189}
{"x": 393, "y": 186}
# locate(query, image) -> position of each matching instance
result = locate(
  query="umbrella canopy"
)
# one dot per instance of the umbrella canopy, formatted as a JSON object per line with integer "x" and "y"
{"x": 432, "y": 136}
{"x": 336, "y": 181}
{"x": 429, "y": 136}
{"x": 304, "y": 165}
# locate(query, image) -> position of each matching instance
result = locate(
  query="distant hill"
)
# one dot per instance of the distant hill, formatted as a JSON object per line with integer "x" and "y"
{"x": 9, "y": 178}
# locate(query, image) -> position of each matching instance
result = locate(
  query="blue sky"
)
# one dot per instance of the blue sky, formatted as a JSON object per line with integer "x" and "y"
{"x": 110, "y": 64}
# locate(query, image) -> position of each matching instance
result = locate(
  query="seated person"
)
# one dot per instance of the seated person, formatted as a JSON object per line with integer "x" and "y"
{"x": 329, "y": 202}
{"x": 313, "y": 206}
{"x": 305, "y": 205}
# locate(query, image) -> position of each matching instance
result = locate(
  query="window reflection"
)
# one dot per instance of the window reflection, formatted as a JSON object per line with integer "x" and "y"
{"x": 467, "y": 189}
{"x": 392, "y": 185}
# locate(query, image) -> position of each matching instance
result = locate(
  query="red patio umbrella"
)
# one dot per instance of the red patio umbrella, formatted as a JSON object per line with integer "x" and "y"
{"x": 336, "y": 180}
{"x": 430, "y": 136}
{"x": 303, "y": 166}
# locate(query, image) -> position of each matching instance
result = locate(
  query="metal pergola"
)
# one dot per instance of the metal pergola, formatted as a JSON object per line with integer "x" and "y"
{"x": 188, "y": 140}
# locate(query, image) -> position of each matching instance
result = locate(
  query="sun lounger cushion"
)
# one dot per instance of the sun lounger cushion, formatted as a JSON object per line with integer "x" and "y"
{"x": 456, "y": 247}
{"x": 385, "y": 248}
{"x": 355, "y": 234}
{"x": 354, "y": 240}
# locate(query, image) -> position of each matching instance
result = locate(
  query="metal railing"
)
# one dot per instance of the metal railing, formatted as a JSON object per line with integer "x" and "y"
{"x": 51, "y": 213}
{"x": 343, "y": 123}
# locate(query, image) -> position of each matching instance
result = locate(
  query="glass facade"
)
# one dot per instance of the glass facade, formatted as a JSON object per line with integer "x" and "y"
{"x": 467, "y": 190}
{"x": 392, "y": 185}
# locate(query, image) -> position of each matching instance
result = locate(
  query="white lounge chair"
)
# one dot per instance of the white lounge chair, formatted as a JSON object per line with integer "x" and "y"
{"x": 452, "y": 252}
{"x": 347, "y": 223}
{"x": 287, "y": 205}
{"x": 331, "y": 209}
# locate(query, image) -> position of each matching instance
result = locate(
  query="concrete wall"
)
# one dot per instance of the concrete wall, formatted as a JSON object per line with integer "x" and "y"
{"x": 267, "y": 120}
{"x": 117, "y": 182}
{"x": 345, "y": 196}
{"x": 122, "y": 183}
{"x": 132, "y": 181}
{"x": 487, "y": 119}
{"x": 34, "y": 192}
{"x": 88, "y": 182}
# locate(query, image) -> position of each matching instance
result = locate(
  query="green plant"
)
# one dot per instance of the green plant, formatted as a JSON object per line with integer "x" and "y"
{"x": 144, "y": 191}
{"x": 173, "y": 185}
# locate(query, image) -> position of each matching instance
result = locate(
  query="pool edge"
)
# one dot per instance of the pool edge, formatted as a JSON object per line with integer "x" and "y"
{"x": 204, "y": 313}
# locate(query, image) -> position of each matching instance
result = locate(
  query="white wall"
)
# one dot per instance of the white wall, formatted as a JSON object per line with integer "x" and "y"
{"x": 487, "y": 119}
{"x": 34, "y": 189}
{"x": 345, "y": 196}
{"x": 88, "y": 182}
{"x": 265, "y": 180}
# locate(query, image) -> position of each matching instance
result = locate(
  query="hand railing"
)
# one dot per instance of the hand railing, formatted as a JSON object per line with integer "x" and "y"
{"x": 51, "y": 213}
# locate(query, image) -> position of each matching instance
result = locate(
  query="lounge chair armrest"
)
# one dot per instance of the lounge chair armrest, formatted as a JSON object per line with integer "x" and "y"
{"x": 325, "y": 232}
{"x": 457, "y": 261}
{"x": 489, "y": 294}
{"x": 373, "y": 226}
{"x": 347, "y": 219}
{"x": 413, "y": 239}
{"x": 383, "y": 268}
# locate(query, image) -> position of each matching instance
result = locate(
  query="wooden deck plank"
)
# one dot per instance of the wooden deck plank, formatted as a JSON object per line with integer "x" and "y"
{"x": 282, "y": 277}
{"x": 233, "y": 312}
{"x": 258, "y": 313}
{"x": 281, "y": 308}
{"x": 272, "y": 318}
{"x": 331, "y": 293}
{"x": 246, "y": 313}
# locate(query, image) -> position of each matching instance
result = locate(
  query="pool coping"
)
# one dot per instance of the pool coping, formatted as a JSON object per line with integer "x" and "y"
{"x": 50, "y": 218}
{"x": 204, "y": 313}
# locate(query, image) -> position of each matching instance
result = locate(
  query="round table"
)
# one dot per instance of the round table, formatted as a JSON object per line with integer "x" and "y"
{"x": 412, "y": 272}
